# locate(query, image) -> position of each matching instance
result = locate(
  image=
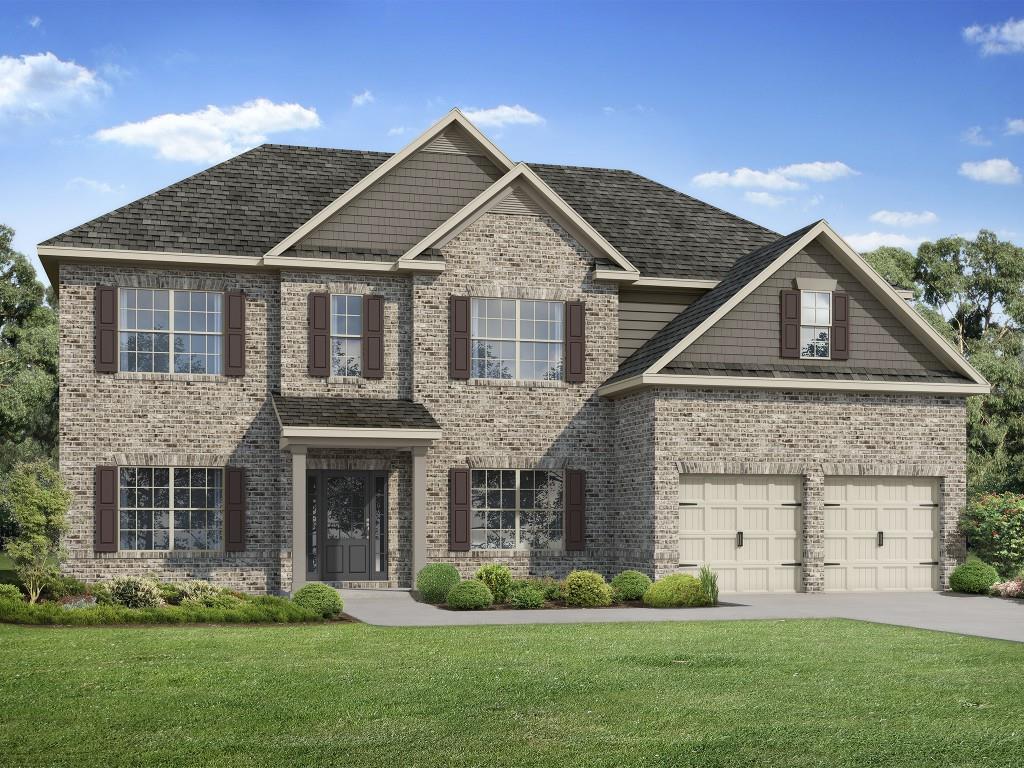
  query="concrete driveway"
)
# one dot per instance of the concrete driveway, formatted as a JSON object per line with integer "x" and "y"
{"x": 945, "y": 612}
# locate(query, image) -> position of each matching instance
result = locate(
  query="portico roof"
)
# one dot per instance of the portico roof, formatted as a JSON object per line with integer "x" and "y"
{"x": 386, "y": 421}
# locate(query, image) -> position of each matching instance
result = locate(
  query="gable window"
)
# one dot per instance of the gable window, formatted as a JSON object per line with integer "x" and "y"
{"x": 346, "y": 335}
{"x": 815, "y": 324}
{"x": 170, "y": 508}
{"x": 517, "y": 339}
{"x": 160, "y": 331}
{"x": 516, "y": 509}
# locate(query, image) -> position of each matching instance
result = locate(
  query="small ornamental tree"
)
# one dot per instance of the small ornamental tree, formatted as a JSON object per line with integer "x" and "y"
{"x": 994, "y": 526}
{"x": 33, "y": 497}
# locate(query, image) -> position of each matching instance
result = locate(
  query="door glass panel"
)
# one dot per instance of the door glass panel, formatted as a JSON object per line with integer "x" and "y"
{"x": 380, "y": 513}
{"x": 345, "y": 507}
{"x": 312, "y": 524}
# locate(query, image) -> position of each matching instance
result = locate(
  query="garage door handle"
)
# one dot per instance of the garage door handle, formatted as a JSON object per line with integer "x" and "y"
{"x": 739, "y": 538}
{"x": 881, "y": 539}
{"x": 929, "y": 562}
{"x": 791, "y": 564}
{"x": 830, "y": 563}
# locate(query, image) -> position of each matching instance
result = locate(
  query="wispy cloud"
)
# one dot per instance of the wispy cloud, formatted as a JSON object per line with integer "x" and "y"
{"x": 40, "y": 85}
{"x": 869, "y": 241}
{"x": 214, "y": 133}
{"x": 398, "y": 130}
{"x": 975, "y": 136}
{"x": 80, "y": 182}
{"x": 904, "y": 219}
{"x": 995, "y": 171}
{"x": 766, "y": 199}
{"x": 502, "y": 115}
{"x": 1014, "y": 126}
{"x": 995, "y": 39}
{"x": 785, "y": 177}
{"x": 34, "y": 22}
{"x": 362, "y": 99}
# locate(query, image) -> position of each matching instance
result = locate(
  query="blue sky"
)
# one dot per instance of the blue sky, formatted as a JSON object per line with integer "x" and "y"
{"x": 894, "y": 121}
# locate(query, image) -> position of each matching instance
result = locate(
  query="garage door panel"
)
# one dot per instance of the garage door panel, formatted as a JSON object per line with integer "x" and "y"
{"x": 721, "y": 548}
{"x": 691, "y": 519}
{"x": 783, "y": 548}
{"x": 892, "y": 579}
{"x": 892, "y": 519}
{"x": 835, "y": 579}
{"x": 835, "y": 519}
{"x": 720, "y": 519}
{"x": 896, "y": 549}
{"x": 862, "y": 547}
{"x": 754, "y": 549}
{"x": 753, "y": 519}
{"x": 836, "y": 549}
{"x": 756, "y": 579}
{"x": 920, "y": 518}
{"x": 692, "y": 550}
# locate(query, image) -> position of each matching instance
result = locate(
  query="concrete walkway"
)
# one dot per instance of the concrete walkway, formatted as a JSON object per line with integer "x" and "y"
{"x": 946, "y": 612}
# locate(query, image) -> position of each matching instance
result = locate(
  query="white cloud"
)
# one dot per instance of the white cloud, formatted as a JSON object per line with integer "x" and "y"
{"x": 869, "y": 241}
{"x": 996, "y": 171}
{"x": 40, "y": 84}
{"x": 34, "y": 22}
{"x": 817, "y": 171}
{"x": 502, "y": 115}
{"x": 814, "y": 201}
{"x": 777, "y": 178}
{"x": 398, "y": 130}
{"x": 80, "y": 182}
{"x": 212, "y": 134}
{"x": 362, "y": 99}
{"x": 974, "y": 135}
{"x": 1015, "y": 126}
{"x": 904, "y": 219}
{"x": 994, "y": 39}
{"x": 766, "y": 198}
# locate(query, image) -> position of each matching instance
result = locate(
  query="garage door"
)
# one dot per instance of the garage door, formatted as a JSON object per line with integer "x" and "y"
{"x": 881, "y": 533}
{"x": 746, "y": 527}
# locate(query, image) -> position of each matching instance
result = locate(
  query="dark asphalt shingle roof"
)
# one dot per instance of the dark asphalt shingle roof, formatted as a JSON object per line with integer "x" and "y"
{"x": 248, "y": 204}
{"x": 833, "y": 371}
{"x": 295, "y": 411}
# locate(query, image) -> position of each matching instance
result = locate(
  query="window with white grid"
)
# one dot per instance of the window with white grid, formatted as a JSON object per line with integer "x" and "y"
{"x": 346, "y": 335}
{"x": 815, "y": 324}
{"x": 154, "y": 338}
{"x": 517, "y": 339}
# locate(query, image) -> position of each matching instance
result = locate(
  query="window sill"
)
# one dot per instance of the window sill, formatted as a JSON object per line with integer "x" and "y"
{"x": 346, "y": 380}
{"x": 178, "y": 377}
{"x": 164, "y": 554}
{"x": 540, "y": 383}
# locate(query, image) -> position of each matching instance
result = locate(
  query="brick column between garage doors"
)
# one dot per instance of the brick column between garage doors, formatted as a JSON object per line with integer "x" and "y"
{"x": 813, "y": 539}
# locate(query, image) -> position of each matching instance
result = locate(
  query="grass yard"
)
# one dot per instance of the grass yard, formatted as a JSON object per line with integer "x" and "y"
{"x": 778, "y": 693}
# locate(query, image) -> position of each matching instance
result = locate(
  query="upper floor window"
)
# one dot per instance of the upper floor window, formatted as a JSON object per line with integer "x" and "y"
{"x": 517, "y": 339}
{"x": 160, "y": 331}
{"x": 346, "y": 335}
{"x": 516, "y": 509}
{"x": 164, "y": 508}
{"x": 815, "y": 324}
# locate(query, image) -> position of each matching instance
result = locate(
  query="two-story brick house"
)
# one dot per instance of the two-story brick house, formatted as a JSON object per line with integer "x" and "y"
{"x": 317, "y": 364}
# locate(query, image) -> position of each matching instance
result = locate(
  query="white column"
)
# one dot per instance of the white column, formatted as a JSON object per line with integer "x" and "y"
{"x": 298, "y": 516}
{"x": 419, "y": 510}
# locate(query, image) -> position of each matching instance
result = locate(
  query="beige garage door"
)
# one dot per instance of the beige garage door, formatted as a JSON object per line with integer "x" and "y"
{"x": 746, "y": 527}
{"x": 881, "y": 534}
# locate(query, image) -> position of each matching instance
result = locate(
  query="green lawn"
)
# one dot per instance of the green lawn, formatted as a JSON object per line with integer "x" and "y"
{"x": 779, "y": 693}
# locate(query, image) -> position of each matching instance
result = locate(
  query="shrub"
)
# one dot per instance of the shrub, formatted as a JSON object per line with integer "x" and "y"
{"x": 171, "y": 593}
{"x": 498, "y": 579}
{"x": 135, "y": 592}
{"x": 973, "y": 577}
{"x": 102, "y": 594}
{"x": 64, "y": 586}
{"x": 200, "y": 591}
{"x": 708, "y": 583}
{"x": 1013, "y": 588}
{"x": 470, "y": 595}
{"x": 552, "y": 588}
{"x": 320, "y": 599}
{"x": 586, "y": 589}
{"x": 630, "y": 585}
{"x": 10, "y": 592}
{"x": 679, "y": 590}
{"x": 215, "y": 600}
{"x": 994, "y": 525}
{"x": 435, "y": 581}
{"x": 526, "y": 597}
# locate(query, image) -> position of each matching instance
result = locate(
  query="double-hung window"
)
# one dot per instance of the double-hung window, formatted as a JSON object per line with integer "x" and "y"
{"x": 346, "y": 335}
{"x": 160, "y": 331}
{"x": 516, "y": 509}
{"x": 517, "y": 339}
{"x": 165, "y": 508}
{"x": 815, "y": 324}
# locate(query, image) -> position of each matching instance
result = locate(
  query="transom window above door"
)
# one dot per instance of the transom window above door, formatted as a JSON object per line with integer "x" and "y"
{"x": 517, "y": 339}
{"x": 164, "y": 331}
{"x": 346, "y": 335}
{"x": 815, "y": 324}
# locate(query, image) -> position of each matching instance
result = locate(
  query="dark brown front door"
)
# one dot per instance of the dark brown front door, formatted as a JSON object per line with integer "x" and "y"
{"x": 347, "y": 525}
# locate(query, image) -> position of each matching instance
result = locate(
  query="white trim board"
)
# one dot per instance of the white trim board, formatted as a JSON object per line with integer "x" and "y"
{"x": 369, "y": 433}
{"x": 455, "y": 117}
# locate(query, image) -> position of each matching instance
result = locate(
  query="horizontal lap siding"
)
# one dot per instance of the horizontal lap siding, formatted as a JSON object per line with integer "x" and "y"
{"x": 642, "y": 314}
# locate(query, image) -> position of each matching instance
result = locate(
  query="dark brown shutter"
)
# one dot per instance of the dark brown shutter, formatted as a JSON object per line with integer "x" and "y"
{"x": 234, "y": 333}
{"x": 234, "y": 509}
{"x": 373, "y": 337}
{"x": 458, "y": 509}
{"x": 575, "y": 342}
{"x": 105, "y": 522}
{"x": 106, "y": 329}
{"x": 840, "y": 326}
{"x": 458, "y": 338}
{"x": 575, "y": 509}
{"x": 319, "y": 334}
{"x": 789, "y": 323}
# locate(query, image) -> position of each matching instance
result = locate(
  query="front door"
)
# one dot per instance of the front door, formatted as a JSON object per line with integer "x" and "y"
{"x": 347, "y": 529}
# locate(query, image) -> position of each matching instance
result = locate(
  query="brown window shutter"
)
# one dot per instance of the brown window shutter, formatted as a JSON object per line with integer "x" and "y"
{"x": 234, "y": 333}
{"x": 373, "y": 337}
{"x": 234, "y": 509}
{"x": 840, "y": 326}
{"x": 789, "y": 323}
{"x": 105, "y": 523}
{"x": 458, "y": 338}
{"x": 575, "y": 342}
{"x": 458, "y": 509}
{"x": 106, "y": 329}
{"x": 575, "y": 509}
{"x": 319, "y": 334}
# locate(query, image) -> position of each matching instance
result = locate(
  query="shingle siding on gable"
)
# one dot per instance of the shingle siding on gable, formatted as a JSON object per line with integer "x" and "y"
{"x": 749, "y": 334}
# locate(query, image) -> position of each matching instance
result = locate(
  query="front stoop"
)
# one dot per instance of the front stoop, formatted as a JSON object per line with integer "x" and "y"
{"x": 391, "y": 584}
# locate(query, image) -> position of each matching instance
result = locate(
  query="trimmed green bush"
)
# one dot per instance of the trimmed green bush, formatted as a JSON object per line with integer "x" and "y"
{"x": 630, "y": 585}
{"x": 526, "y": 597}
{"x": 586, "y": 589}
{"x": 64, "y": 586}
{"x": 102, "y": 594}
{"x": 171, "y": 593}
{"x": 10, "y": 592}
{"x": 708, "y": 583}
{"x": 498, "y": 579}
{"x": 319, "y": 598}
{"x": 435, "y": 581}
{"x": 470, "y": 595}
{"x": 679, "y": 590}
{"x": 135, "y": 592}
{"x": 552, "y": 588}
{"x": 973, "y": 577}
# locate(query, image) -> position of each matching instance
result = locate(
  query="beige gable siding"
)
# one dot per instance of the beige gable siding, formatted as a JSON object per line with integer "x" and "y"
{"x": 750, "y": 332}
{"x": 643, "y": 313}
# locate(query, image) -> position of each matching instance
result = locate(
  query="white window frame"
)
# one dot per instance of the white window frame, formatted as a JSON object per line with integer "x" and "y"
{"x": 171, "y": 508}
{"x": 170, "y": 332}
{"x": 332, "y": 335}
{"x": 517, "y": 339}
{"x": 519, "y": 545}
{"x": 815, "y": 326}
